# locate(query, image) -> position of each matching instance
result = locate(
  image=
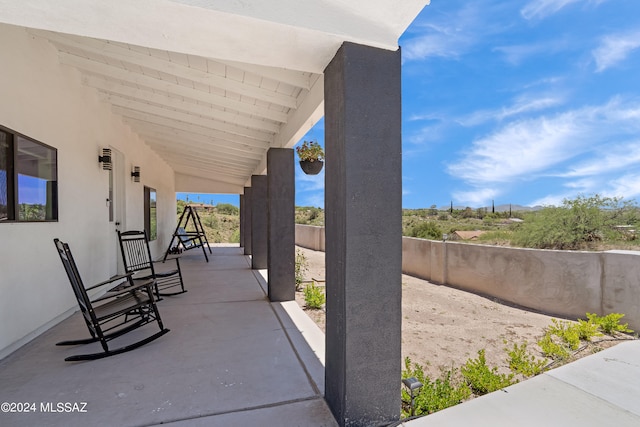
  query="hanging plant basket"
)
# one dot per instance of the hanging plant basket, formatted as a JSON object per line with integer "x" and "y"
{"x": 311, "y": 168}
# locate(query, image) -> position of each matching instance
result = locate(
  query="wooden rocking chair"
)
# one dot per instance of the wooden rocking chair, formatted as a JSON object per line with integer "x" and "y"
{"x": 112, "y": 315}
{"x": 136, "y": 256}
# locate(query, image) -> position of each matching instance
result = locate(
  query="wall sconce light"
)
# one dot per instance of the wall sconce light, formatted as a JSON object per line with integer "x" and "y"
{"x": 414, "y": 386}
{"x": 135, "y": 174}
{"x": 105, "y": 159}
{"x": 445, "y": 237}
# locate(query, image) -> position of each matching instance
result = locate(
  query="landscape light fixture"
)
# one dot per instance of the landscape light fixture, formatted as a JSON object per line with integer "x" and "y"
{"x": 445, "y": 236}
{"x": 135, "y": 174}
{"x": 105, "y": 159}
{"x": 413, "y": 385}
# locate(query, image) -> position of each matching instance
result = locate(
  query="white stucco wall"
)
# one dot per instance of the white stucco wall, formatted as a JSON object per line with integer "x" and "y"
{"x": 46, "y": 101}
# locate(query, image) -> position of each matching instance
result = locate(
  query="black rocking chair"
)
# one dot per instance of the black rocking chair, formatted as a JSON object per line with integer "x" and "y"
{"x": 113, "y": 314}
{"x": 136, "y": 255}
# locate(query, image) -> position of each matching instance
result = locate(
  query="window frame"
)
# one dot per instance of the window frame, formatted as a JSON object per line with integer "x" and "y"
{"x": 147, "y": 213}
{"x": 13, "y": 208}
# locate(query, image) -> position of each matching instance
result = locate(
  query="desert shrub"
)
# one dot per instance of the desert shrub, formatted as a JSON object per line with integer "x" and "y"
{"x": 524, "y": 363}
{"x": 426, "y": 230}
{"x": 227, "y": 209}
{"x": 609, "y": 323}
{"x": 561, "y": 338}
{"x": 235, "y": 236}
{"x": 552, "y": 349}
{"x": 314, "y": 296}
{"x": 578, "y": 224}
{"x": 446, "y": 391}
{"x": 301, "y": 267}
{"x": 498, "y": 236}
{"x": 587, "y": 330}
{"x": 481, "y": 378}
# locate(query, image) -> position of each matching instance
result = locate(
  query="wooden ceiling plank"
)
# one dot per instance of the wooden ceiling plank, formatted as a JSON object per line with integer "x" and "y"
{"x": 192, "y": 108}
{"x": 191, "y": 127}
{"x": 142, "y": 81}
{"x": 161, "y": 65}
{"x": 151, "y": 124}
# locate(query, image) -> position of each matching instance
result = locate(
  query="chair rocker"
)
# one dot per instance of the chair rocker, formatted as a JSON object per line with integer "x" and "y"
{"x": 136, "y": 256}
{"x": 113, "y": 314}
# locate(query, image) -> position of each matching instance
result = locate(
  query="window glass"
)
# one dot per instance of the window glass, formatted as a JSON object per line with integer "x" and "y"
{"x": 150, "y": 213}
{"x": 4, "y": 176}
{"x": 36, "y": 169}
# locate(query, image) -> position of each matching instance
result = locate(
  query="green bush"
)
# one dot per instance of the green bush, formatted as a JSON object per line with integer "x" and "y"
{"x": 426, "y": 230}
{"x": 609, "y": 323}
{"x": 483, "y": 379}
{"x": 227, "y": 209}
{"x": 578, "y": 224}
{"x": 235, "y": 237}
{"x": 587, "y": 330}
{"x": 300, "y": 268}
{"x": 568, "y": 333}
{"x": 446, "y": 391}
{"x": 521, "y": 362}
{"x": 552, "y": 349}
{"x": 313, "y": 296}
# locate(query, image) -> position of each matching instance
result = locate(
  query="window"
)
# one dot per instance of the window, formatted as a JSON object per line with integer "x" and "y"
{"x": 28, "y": 179}
{"x": 150, "y": 216}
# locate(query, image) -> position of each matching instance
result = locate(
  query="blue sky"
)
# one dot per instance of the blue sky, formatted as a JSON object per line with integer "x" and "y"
{"x": 522, "y": 102}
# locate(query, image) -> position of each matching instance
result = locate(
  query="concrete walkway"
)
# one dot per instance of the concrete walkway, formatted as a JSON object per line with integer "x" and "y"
{"x": 231, "y": 359}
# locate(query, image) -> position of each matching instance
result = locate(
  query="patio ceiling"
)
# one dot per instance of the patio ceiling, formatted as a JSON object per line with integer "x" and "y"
{"x": 210, "y": 85}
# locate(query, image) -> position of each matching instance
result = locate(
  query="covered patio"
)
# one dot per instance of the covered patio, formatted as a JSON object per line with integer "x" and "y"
{"x": 232, "y": 358}
{"x": 205, "y": 96}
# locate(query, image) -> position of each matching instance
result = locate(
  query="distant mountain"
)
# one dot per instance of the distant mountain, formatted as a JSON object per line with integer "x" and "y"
{"x": 499, "y": 208}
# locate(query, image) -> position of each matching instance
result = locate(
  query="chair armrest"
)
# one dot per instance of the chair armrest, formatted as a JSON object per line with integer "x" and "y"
{"x": 113, "y": 279}
{"x": 146, "y": 284}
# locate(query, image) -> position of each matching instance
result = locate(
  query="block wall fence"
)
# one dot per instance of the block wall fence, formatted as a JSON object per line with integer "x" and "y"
{"x": 560, "y": 283}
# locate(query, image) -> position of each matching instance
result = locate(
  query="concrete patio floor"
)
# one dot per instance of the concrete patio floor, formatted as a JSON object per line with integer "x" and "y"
{"x": 231, "y": 359}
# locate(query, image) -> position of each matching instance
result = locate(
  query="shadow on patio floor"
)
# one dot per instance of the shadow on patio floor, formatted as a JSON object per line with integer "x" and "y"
{"x": 231, "y": 358}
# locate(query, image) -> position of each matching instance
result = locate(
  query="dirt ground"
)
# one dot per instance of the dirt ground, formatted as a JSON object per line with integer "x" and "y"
{"x": 444, "y": 327}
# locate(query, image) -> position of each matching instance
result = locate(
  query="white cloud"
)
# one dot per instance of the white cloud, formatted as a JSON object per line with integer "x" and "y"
{"x": 529, "y": 149}
{"x": 626, "y": 185}
{"x": 614, "y": 49}
{"x": 524, "y": 104}
{"x": 607, "y": 159}
{"x": 552, "y": 200}
{"x": 451, "y": 35}
{"x": 477, "y": 197}
{"x": 516, "y": 54}
{"x": 543, "y": 8}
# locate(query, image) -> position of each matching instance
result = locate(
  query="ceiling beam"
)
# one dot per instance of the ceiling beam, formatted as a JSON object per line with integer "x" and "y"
{"x": 117, "y": 52}
{"x": 240, "y": 140}
{"x": 198, "y": 142}
{"x": 168, "y": 113}
{"x": 188, "y": 93}
{"x": 164, "y": 146}
{"x": 290, "y": 77}
{"x": 199, "y": 114}
{"x": 194, "y": 148}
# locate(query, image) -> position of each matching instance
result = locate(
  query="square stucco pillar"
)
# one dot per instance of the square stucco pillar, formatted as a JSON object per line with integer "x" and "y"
{"x": 363, "y": 213}
{"x": 281, "y": 234}
{"x": 241, "y": 226}
{"x": 259, "y": 221}
{"x": 246, "y": 224}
